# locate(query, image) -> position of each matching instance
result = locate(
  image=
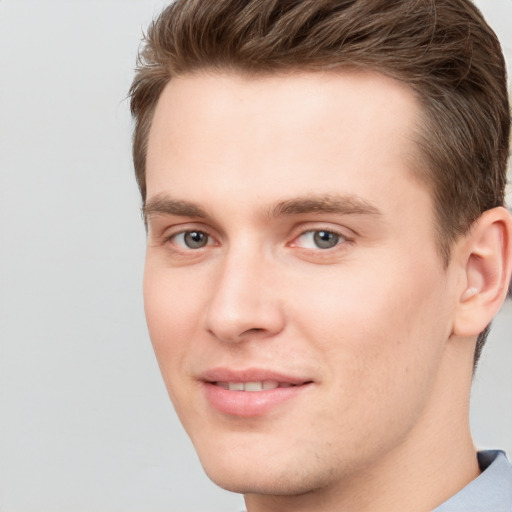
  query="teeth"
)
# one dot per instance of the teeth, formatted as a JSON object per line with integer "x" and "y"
{"x": 251, "y": 386}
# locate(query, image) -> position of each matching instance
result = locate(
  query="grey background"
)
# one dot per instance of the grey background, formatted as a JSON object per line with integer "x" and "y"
{"x": 85, "y": 422}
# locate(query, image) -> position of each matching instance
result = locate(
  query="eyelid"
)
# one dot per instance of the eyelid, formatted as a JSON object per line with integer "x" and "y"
{"x": 179, "y": 229}
{"x": 346, "y": 234}
{"x": 182, "y": 244}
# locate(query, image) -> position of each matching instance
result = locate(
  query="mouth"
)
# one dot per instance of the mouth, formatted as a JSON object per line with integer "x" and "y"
{"x": 251, "y": 393}
{"x": 254, "y": 386}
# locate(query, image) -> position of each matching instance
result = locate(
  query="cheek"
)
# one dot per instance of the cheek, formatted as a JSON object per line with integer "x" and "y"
{"x": 172, "y": 309}
{"x": 172, "y": 300}
{"x": 380, "y": 348}
{"x": 373, "y": 297}
{"x": 380, "y": 328}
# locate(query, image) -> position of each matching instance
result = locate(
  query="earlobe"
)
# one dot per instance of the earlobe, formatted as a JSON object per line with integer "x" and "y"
{"x": 487, "y": 259}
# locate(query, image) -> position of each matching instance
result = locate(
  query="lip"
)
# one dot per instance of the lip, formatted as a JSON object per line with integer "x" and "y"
{"x": 250, "y": 403}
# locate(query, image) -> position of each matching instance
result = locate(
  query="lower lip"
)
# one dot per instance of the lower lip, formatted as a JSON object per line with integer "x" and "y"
{"x": 249, "y": 403}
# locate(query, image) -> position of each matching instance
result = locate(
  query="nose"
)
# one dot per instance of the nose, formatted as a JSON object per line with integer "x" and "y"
{"x": 244, "y": 304}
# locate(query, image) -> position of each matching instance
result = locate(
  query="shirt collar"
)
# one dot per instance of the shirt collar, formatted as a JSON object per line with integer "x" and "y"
{"x": 489, "y": 492}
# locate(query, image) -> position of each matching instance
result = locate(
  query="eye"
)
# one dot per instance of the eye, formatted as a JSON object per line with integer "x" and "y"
{"x": 191, "y": 239}
{"x": 319, "y": 239}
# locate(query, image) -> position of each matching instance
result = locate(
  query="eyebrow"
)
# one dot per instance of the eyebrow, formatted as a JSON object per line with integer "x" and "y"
{"x": 163, "y": 205}
{"x": 339, "y": 204}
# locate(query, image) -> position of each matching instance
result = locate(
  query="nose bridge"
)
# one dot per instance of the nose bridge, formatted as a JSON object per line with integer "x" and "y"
{"x": 244, "y": 302}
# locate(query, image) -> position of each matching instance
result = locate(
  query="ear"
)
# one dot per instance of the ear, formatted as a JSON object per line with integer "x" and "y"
{"x": 486, "y": 258}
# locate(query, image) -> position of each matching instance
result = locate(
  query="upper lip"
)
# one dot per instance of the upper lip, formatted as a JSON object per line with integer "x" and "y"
{"x": 250, "y": 375}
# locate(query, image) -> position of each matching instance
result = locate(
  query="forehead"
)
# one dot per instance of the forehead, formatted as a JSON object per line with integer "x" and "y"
{"x": 346, "y": 132}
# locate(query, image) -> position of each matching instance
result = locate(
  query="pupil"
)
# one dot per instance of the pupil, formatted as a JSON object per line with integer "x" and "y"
{"x": 195, "y": 239}
{"x": 325, "y": 239}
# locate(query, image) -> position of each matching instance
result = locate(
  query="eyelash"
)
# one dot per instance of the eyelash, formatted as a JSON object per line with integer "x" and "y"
{"x": 334, "y": 237}
{"x": 172, "y": 238}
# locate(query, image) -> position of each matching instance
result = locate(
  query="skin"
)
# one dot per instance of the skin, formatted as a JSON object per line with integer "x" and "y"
{"x": 257, "y": 165}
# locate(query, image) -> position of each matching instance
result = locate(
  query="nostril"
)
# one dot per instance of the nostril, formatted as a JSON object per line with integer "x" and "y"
{"x": 253, "y": 330}
{"x": 241, "y": 316}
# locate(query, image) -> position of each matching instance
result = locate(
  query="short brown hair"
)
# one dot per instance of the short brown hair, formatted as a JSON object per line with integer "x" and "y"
{"x": 443, "y": 49}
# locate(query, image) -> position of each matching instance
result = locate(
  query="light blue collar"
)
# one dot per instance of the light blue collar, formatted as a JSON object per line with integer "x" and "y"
{"x": 490, "y": 492}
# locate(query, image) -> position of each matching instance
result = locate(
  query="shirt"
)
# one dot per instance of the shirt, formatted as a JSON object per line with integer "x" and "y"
{"x": 491, "y": 491}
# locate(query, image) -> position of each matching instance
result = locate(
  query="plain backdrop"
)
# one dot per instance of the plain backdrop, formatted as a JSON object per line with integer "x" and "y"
{"x": 85, "y": 422}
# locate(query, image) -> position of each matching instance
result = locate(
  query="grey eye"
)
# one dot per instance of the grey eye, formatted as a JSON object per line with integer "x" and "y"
{"x": 325, "y": 239}
{"x": 195, "y": 239}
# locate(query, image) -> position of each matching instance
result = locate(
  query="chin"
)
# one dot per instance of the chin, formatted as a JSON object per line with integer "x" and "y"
{"x": 261, "y": 482}
{"x": 262, "y": 473}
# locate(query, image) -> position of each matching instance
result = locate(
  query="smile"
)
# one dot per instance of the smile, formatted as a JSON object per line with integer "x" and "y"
{"x": 253, "y": 386}
{"x": 252, "y": 392}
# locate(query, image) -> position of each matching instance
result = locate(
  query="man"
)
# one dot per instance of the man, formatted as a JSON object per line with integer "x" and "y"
{"x": 323, "y": 187}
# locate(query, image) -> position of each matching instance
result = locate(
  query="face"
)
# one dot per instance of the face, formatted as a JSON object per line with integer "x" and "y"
{"x": 294, "y": 294}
